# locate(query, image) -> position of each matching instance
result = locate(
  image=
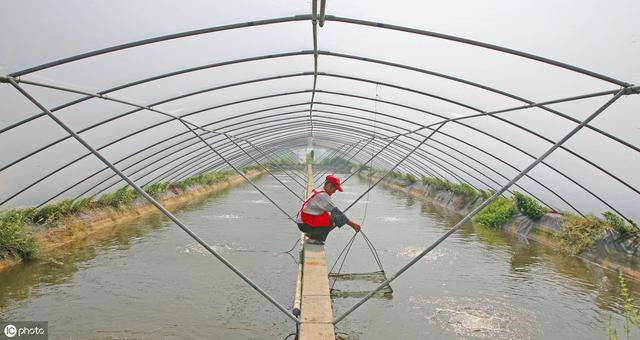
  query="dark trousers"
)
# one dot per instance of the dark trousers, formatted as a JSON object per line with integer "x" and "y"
{"x": 316, "y": 233}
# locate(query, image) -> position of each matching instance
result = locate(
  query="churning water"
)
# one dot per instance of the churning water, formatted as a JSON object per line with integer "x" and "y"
{"x": 150, "y": 280}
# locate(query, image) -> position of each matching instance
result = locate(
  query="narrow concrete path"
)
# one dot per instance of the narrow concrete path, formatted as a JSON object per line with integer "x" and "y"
{"x": 316, "y": 319}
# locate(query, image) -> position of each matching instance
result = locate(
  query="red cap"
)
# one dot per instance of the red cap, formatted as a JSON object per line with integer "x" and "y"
{"x": 335, "y": 181}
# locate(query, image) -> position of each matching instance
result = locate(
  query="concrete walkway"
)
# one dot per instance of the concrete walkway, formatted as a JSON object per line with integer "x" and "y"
{"x": 316, "y": 313}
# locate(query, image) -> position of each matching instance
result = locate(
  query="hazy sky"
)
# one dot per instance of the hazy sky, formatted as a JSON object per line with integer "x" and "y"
{"x": 601, "y": 36}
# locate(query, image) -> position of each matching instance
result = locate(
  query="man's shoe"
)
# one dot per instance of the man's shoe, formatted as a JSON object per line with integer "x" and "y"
{"x": 314, "y": 241}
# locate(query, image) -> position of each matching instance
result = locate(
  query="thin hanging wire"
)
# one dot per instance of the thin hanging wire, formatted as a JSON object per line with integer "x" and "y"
{"x": 347, "y": 247}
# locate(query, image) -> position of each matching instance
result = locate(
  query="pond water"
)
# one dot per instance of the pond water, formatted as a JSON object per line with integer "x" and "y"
{"x": 150, "y": 280}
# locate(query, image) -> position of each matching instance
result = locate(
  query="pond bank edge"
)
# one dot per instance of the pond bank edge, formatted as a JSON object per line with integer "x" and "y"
{"x": 606, "y": 253}
{"x": 103, "y": 222}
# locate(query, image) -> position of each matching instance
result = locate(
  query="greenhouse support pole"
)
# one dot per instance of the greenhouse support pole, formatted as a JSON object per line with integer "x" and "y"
{"x": 264, "y": 167}
{"x": 398, "y": 163}
{"x": 484, "y": 204}
{"x": 153, "y": 201}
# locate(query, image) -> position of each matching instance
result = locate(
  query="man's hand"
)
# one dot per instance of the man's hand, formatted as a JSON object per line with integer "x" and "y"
{"x": 354, "y": 225}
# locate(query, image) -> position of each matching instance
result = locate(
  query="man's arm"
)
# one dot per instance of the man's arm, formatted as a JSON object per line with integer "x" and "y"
{"x": 354, "y": 225}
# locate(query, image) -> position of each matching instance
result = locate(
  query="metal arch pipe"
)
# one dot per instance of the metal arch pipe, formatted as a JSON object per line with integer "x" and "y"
{"x": 270, "y": 160}
{"x": 478, "y": 208}
{"x": 489, "y": 186}
{"x": 314, "y": 30}
{"x": 407, "y": 130}
{"x": 222, "y": 147}
{"x": 404, "y": 88}
{"x": 478, "y": 44}
{"x": 445, "y": 170}
{"x": 486, "y": 88}
{"x": 427, "y": 158}
{"x": 346, "y": 151}
{"x": 299, "y": 124}
{"x": 315, "y": 73}
{"x": 188, "y": 125}
{"x": 159, "y": 39}
{"x": 155, "y": 203}
{"x": 342, "y": 56}
{"x": 323, "y": 5}
{"x": 472, "y": 158}
{"x": 302, "y": 137}
{"x": 107, "y": 121}
{"x": 264, "y": 167}
{"x": 548, "y": 165}
{"x": 105, "y": 146}
{"x": 465, "y": 181}
{"x": 417, "y": 166}
{"x": 362, "y": 148}
{"x": 158, "y": 152}
{"x": 76, "y": 160}
{"x": 457, "y": 120}
{"x": 156, "y": 143}
{"x": 456, "y": 167}
{"x": 157, "y": 77}
{"x": 253, "y": 130}
{"x": 478, "y": 149}
{"x": 164, "y": 101}
{"x": 396, "y": 165}
{"x": 210, "y": 167}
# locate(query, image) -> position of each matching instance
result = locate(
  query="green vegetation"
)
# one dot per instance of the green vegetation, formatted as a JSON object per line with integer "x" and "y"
{"x": 252, "y": 167}
{"x": 119, "y": 198}
{"x": 463, "y": 189}
{"x": 337, "y": 162}
{"x": 485, "y": 194}
{"x": 631, "y": 312}
{"x": 156, "y": 190}
{"x": 205, "y": 178}
{"x": 528, "y": 206}
{"x": 435, "y": 183}
{"x": 579, "y": 233}
{"x": 16, "y": 226}
{"x": 410, "y": 178}
{"x": 16, "y": 239}
{"x": 618, "y": 224}
{"x": 285, "y": 161}
{"x": 496, "y": 213}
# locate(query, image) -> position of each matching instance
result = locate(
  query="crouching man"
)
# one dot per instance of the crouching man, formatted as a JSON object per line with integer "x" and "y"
{"x": 319, "y": 215}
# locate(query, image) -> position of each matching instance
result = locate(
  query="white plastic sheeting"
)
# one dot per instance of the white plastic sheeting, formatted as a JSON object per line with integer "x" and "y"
{"x": 256, "y": 81}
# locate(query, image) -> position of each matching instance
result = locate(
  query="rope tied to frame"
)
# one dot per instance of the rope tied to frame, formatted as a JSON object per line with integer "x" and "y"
{"x": 345, "y": 250}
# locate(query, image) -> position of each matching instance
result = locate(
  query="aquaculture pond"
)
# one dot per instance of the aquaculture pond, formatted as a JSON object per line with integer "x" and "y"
{"x": 150, "y": 280}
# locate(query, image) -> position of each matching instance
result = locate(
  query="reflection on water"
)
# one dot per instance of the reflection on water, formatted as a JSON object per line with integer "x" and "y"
{"x": 150, "y": 280}
{"x": 22, "y": 281}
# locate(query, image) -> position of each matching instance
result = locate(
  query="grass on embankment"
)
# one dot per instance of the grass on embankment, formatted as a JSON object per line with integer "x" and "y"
{"x": 19, "y": 227}
{"x": 578, "y": 233}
